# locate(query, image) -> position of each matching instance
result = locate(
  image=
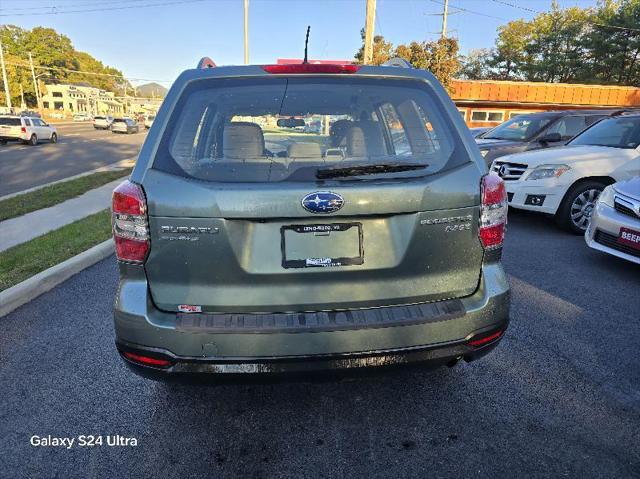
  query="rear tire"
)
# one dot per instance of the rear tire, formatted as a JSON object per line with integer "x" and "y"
{"x": 54, "y": 138}
{"x": 576, "y": 208}
{"x": 33, "y": 141}
{"x": 3, "y": 142}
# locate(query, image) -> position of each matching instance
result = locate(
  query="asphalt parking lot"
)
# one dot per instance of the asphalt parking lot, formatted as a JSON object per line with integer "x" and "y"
{"x": 80, "y": 148}
{"x": 559, "y": 397}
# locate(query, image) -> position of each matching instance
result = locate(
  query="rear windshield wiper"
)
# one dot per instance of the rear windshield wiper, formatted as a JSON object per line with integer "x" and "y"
{"x": 358, "y": 170}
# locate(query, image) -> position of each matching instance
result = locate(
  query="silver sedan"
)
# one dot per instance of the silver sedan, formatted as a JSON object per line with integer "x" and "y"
{"x": 615, "y": 222}
{"x": 124, "y": 125}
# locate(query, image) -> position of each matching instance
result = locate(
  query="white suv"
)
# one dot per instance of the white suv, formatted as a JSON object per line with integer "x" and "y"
{"x": 27, "y": 129}
{"x": 566, "y": 181}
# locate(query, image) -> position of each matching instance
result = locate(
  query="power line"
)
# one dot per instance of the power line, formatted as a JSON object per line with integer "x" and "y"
{"x": 531, "y": 10}
{"x": 81, "y": 72}
{"x": 460, "y": 9}
{"x": 54, "y": 8}
{"x": 102, "y": 9}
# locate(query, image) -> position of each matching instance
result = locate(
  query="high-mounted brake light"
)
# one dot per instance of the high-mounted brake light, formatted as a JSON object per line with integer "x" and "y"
{"x": 302, "y": 68}
{"x": 129, "y": 223}
{"x": 493, "y": 211}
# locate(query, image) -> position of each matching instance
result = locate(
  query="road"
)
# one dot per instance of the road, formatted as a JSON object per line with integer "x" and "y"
{"x": 559, "y": 397}
{"x": 80, "y": 148}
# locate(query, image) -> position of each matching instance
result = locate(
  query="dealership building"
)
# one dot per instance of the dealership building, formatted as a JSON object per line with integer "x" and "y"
{"x": 490, "y": 102}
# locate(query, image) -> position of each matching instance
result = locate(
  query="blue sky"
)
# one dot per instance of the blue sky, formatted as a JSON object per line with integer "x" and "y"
{"x": 158, "y": 42}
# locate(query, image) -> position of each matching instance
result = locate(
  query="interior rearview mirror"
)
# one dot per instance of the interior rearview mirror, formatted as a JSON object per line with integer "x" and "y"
{"x": 290, "y": 122}
{"x": 551, "y": 137}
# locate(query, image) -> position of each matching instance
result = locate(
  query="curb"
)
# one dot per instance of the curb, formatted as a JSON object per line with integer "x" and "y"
{"x": 48, "y": 279}
{"x": 113, "y": 166}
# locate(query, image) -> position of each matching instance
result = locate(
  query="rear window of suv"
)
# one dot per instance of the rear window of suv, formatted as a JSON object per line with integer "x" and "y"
{"x": 286, "y": 129}
{"x": 10, "y": 121}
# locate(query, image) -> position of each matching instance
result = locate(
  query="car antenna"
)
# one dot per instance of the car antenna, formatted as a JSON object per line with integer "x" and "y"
{"x": 306, "y": 43}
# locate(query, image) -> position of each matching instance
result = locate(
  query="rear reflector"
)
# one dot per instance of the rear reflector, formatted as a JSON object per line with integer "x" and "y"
{"x": 485, "y": 339}
{"x": 493, "y": 211}
{"x": 146, "y": 360}
{"x": 302, "y": 68}
{"x": 129, "y": 223}
{"x": 23, "y": 129}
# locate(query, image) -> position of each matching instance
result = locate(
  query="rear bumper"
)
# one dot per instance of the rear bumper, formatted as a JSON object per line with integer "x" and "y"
{"x": 144, "y": 330}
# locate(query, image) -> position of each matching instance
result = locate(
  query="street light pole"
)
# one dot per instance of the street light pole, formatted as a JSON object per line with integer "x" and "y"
{"x": 246, "y": 32}
{"x": 368, "y": 32}
{"x": 35, "y": 83}
{"x": 4, "y": 78}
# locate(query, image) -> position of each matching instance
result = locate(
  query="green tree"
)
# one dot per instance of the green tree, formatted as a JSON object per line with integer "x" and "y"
{"x": 54, "y": 51}
{"x": 382, "y": 50}
{"x": 476, "y": 65}
{"x": 440, "y": 57}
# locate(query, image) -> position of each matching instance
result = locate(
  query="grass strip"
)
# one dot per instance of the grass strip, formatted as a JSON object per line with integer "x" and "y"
{"x": 55, "y": 194}
{"x": 27, "y": 259}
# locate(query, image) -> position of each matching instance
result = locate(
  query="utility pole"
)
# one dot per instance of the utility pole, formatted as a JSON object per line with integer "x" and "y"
{"x": 4, "y": 78}
{"x": 368, "y": 32}
{"x": 35, "y": 83}
{"x": 444, "y": 18}
{"x": 23, "y": 105}
{"x": 246, "y": 32}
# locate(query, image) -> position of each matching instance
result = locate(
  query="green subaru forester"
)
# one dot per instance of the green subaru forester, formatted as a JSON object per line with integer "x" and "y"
{"x": 304, "y": 217}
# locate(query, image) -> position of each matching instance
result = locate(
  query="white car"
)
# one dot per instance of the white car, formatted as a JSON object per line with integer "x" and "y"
{"x": 28, "y": 130}
{"x": 148, "y": 121}
{"x": 102, "y": 122}
{"x": 82, "y": 117}
{"x": 566, "y": 181}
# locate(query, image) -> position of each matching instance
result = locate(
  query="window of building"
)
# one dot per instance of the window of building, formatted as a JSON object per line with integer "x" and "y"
{"x": 515, "y": 113}
{"x": 463, "y": 112}
{"x": 57, "y": 94}
{"x": 487, "y": 115}
{"x": 58, "y": 105}
{"x": 45, "y": 104}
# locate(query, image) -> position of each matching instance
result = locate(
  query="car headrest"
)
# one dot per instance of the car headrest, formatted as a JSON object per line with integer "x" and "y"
{"x": 242, "y": 140}
{"x": 338, "y": 132}
{"x": 364, "y": 138}
{"x": 304, "y": 150}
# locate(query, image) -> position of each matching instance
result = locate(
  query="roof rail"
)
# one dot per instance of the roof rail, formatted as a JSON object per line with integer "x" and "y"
{"x": 397, "y": 62}
{"x": 204, "y": 63}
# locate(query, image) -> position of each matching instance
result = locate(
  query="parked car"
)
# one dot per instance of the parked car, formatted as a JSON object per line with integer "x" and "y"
{"x": 102, "y": 122}
{"x": 246, "y": 251}
{"x": 536, "y": 131}
{"x": 479, "y": 130}
{"x": 57, "y": 115}
{"x": 82, "y": 117}
{"x": 566, "y": 181}
{"x": 124, "y": 125}
{"x": 28, "y": 130}
{"x": 615, "y": 224}
{"x": 148, "y": 121}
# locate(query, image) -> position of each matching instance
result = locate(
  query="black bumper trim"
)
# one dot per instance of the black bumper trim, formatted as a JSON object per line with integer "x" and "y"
{"x": 308, "y": 322}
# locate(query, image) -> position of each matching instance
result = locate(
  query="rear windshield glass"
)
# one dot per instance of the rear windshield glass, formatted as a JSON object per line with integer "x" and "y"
{"x": 519, "y": 128}
{"x": 616, "y": 133}
{"x": 279, "y": 129}
{"x": 99, "y": 118}
{"x": 119, "y": 120}
{"x": 10, "y": 121}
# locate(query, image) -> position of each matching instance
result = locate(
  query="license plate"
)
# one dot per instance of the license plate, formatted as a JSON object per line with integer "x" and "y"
{"x": 629, "y": 237}
{"x": 322, "y": 245}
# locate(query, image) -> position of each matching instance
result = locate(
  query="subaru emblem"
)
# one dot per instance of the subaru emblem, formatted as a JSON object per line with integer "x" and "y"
{"x": 322, "y": 202}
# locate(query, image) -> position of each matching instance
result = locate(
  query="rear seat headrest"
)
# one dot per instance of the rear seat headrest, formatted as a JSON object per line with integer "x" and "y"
{"x": 364, "y": 138}
{"x": 242, "y": 139}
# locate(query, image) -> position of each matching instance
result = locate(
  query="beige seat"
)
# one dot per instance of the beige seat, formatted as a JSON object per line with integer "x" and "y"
{"x": 242, "y": 140}
{"x": 364, "y": 138}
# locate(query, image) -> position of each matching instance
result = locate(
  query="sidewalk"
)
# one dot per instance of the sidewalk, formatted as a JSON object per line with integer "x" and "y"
{"x": 24, "y": 228}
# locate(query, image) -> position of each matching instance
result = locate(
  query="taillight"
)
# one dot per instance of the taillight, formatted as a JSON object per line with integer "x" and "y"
{"x": 23, "y": 129}
{"x": 146, "y": 360}
{"x": 301, "y": 68}
{"x": 483, "y": 339}
{"x": 493, "y": 211}
{"x": 129, "y": 222}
